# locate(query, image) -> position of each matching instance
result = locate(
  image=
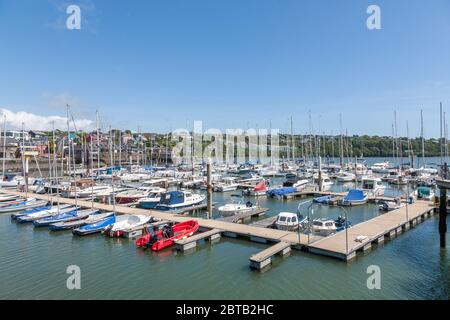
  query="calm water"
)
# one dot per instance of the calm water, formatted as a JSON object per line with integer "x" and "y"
{"x": 33, "y": 265}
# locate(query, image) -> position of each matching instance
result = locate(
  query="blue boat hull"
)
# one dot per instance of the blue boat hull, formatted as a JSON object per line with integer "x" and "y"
{"x": 94, "y": 227}
{"x": 148, "y": 205}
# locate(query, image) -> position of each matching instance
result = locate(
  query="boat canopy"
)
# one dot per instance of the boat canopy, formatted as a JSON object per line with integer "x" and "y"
{"x": 423, "y": 191}
{"x": 354, "y": 195}
{"x": 172, "y": 197}
{"x": 281, "y": 191}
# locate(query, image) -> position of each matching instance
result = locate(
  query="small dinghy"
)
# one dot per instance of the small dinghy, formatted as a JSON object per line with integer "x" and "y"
{"x": 95, "y": 227}
{"x": 166, "y": 236}
{"x": 30, "y": 211}
{"x": 69, "y": 216}
{"x": 126, "y": 223}
{"x": 7, "y": 197}
{"x": 45, "y": 213}
{"x": 23, "y": 205}
{"x": 66, "y": 225}
{"x": 259, "y": 190}
{"x": 355, "y": 197}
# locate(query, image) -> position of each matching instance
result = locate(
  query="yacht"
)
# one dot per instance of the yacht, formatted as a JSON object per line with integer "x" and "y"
{"x": 380, "y": 167}
{"x": 373, "y": 186}
{"x": 174, "y": 200}
{"x": 152, "y": 200}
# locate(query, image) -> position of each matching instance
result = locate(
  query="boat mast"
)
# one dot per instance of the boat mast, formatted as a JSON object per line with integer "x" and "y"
{"x": 292, "y": 141}
{"x": 440, "y": 122}
{"x": 56, "y": 166}
{"x": 4, "y": 145}
{"x": 98, "y": 139}
{"x": 423, "y": 141}
{"x": 68, "y": 139}
{"x": 341, "y": 146}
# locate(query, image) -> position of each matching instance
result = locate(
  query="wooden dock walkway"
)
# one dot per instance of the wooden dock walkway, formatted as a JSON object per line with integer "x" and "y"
{"x": 264, "y": 258}
{"x": 191, "y": 242}
{"x": 245, "y": 216}
{"x": 372, "y": 231}
{"x": 265, "y": 223}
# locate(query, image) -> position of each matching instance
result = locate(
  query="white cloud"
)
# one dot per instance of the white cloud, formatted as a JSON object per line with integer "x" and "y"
{"x": 32, "y": 121}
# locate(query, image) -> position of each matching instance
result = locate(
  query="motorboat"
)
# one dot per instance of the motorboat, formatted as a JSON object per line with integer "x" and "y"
{"x": 95, "y": 227}
{"x": 126, "y": 223}
{"x": 166, "y": 236}
{"x": 355, "y": 197}
{"x": 227, "y": 184}
{"x": 134, "y": 195}
{"x": 325, "y": 227}
{"x": 424, "y": 193}
{"x": 76, "y": 188}
{"x": 237, "y": 206}
{"x": 373, "y": 186}
{"x": 174, "y": 200}
{"x": 289, "y": 221}
{"x": 390, "y": 205}
{"x": 278, "y": 192}
{"x": 10, "y": 182}
{"x": 152, "y": 199}
{"x": 380, "y": 167}
{"x": 345, "y": 177}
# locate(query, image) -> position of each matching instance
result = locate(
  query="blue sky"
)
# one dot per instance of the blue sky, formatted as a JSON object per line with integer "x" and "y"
{"x": 159, "y": 65}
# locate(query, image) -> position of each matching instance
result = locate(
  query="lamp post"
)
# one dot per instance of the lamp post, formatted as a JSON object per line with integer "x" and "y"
{"x": 346, "y": 229}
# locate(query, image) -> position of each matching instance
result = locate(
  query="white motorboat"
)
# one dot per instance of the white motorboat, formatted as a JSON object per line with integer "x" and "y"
{"x": 227, "y": 184}
{"x": 345, "y": 177}
{"x": 152, "y": 200}
{"x": 289, "y": 221}
{"x": 237, "y": 206}
{"x": 373, "y": 186}
{"x": 323, "y": 227}
{"x": 380, "y": 167}
{"x": 174, "y": 200}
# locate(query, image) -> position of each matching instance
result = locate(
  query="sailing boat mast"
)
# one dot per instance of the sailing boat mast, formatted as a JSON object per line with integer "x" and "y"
{"x": 4, "y": 145}
{"x": 341, "y": 146}
{"x": 423, "y": 141}
{"x": 68, "y": 139}
{"x": 98, "y": 139}
{"x": 292, "y": 141}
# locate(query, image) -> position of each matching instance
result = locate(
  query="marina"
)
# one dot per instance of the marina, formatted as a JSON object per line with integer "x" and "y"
{"x": 214, "y": 150}
{"x": 343, "y": 245}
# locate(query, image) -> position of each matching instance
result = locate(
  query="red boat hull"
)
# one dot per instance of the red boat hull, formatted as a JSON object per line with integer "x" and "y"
{"x": 180, "y": 231}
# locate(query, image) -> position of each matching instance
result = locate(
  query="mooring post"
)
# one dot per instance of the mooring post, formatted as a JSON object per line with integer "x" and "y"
{"x": 443, "y": 208}
{"x": 209, "y": 186}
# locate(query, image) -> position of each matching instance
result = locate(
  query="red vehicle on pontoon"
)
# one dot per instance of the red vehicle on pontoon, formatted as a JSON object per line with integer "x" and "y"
{"x": 166, "y": 236}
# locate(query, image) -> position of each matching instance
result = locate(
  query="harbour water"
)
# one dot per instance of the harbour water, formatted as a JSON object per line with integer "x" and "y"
{"x": 33, "y": 265}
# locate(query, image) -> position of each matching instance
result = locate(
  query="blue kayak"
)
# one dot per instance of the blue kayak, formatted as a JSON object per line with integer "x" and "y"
{"x": 95, "y": 227}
